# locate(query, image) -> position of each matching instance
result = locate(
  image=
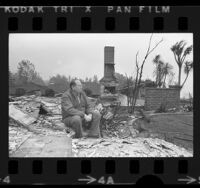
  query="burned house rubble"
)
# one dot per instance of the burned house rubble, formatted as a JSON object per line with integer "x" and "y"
{"x": 35, "y": 128}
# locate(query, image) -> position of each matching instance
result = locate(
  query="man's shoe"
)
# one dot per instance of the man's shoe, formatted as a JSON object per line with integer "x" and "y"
{"x": 69, "y": 132}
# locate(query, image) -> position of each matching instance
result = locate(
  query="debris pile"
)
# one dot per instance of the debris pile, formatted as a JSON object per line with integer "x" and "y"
{"x": 182, "y": 108}
{"x": 120, "y": 133}
{"x": 186, "y": 108}
{"x": 116, "y": 147}
{"x": 33, "y": 115}
{"x": 27, "y": 110}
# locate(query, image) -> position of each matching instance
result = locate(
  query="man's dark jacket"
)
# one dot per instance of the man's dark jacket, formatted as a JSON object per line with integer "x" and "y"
{"x": 71, "y": 106}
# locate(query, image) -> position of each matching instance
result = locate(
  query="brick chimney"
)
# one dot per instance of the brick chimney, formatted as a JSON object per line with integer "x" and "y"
{"x": 109, "y": 81}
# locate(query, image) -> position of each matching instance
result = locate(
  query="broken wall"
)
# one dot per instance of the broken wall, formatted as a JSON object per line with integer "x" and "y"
{"x": 154, "y": 97}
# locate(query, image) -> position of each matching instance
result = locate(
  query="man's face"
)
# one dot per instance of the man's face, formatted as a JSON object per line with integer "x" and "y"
{"x": 78, "y": 86}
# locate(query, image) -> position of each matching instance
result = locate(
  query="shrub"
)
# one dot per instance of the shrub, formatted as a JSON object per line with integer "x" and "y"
{"x": 20, "y": 92}
{"x": 49, "y": 92}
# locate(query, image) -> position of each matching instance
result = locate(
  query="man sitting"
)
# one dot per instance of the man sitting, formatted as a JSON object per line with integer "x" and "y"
{"x": 76, "y": 112}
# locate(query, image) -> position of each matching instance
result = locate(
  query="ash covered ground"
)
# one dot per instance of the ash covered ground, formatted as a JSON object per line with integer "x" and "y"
{"x": 124, "y": 135}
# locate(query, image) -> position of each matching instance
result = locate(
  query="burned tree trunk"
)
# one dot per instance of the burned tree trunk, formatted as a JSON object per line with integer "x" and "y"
{"x": 140, "y": 72}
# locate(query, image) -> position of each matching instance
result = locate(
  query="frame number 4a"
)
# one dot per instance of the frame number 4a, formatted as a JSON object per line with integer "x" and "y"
{"x": 102, "y": 180}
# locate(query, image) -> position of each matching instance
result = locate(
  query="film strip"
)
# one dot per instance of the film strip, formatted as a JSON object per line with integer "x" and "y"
{"x": 98, "y": 20}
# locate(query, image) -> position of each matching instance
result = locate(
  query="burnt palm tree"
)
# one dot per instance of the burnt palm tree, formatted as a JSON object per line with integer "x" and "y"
{"x": 167, "y": 70}
{"x": 188, "y": 66}
{"x": 180, "y": 53}
{"x": 158, "y": 72}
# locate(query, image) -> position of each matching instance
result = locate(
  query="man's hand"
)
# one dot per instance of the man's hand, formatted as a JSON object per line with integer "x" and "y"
{"x": 88, "y": 117}
{"x": 98, "y": 111}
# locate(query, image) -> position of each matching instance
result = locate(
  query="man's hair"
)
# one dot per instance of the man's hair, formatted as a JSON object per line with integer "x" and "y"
{"x": 72, "y": 83}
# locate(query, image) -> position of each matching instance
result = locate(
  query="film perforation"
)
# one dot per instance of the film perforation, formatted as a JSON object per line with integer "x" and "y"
{"x": 134, "y": 23}
{"x": 86, "y": 23}
{"x": 134, "y": 167}
{"x": 110, "y": 23}
{"x": 61, "y": 167}
{"x": 13, "y": 24}
{"x": 158, "y": 24}
{"x": 37, "y": 24}
{"x": 158, "y": 166}
{"x": 37, "y": 167}
{"x": 183, "y": 23}
{"x": 86, "y": 166}
{"x": 61, "y": 23}
{"x": 13, "y": 167}
{"x": 110, "y": 166}
{"x": 182, "y": 166}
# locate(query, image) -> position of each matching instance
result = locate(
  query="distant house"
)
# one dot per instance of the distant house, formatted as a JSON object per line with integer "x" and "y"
{"x": 94, "y": 87}
{"x": 30, "y": 88}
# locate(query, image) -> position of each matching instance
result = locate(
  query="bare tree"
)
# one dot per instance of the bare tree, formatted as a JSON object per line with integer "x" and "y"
{"x": 135, "y": 85}
{"x": 140, "y": 71}
{"x": 128, "y": 91}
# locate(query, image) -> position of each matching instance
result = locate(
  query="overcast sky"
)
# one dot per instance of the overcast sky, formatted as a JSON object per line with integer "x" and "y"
{"x": 82, "y": 55}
